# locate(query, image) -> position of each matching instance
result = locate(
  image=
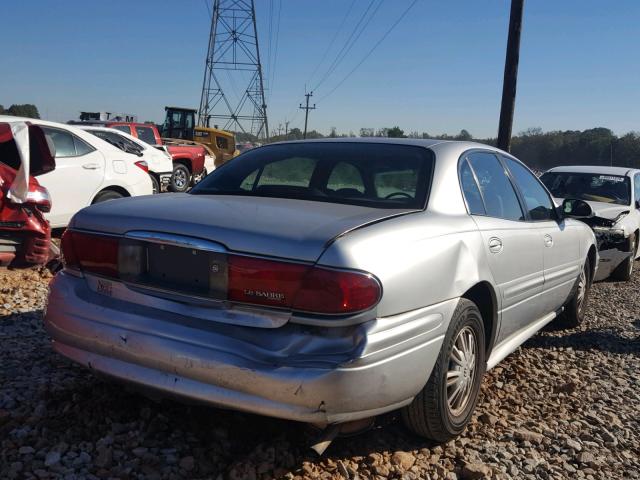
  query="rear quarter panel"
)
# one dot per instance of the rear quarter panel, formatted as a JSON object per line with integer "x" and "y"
{"x": 421, "y": 259}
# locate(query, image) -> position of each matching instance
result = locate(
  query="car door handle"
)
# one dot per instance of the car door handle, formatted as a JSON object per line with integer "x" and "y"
{"x": 548, "y": 241}
{"x": 495, "y": 245}
{"x": 91, "y": 166}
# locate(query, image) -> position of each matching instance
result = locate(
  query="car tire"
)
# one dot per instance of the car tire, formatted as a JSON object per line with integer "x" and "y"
{"x": 623, "y": 271}
{"x": 155, "y": 184}
{"x": 438, "y": 412}
{"x": 180, "y": 179}
{"x": 574, "y": 311}
{"x": 107, "y": 195}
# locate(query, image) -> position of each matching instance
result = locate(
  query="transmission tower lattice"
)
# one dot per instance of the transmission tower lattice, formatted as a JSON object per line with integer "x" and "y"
{"x": 233, "y": 47}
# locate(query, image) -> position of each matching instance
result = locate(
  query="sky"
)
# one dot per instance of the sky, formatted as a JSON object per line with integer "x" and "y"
{"x": 438, "y": 71}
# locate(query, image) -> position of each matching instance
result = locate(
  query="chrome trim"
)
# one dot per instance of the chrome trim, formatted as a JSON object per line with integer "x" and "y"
{"x": 176, "y": 240}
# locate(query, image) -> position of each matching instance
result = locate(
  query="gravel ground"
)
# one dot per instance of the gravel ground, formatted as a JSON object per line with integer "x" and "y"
{"x": 566, "y": 405}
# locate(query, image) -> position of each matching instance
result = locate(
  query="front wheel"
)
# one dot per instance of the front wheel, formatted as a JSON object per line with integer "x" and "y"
{"x": 574, "y": 310}
{"x": 181, "y": 178}
{"x": 443, "y": 408}
{"x": 625, "y": 269}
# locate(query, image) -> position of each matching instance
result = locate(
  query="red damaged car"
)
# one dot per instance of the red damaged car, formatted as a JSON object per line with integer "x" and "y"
{"x": 25, "y": 235}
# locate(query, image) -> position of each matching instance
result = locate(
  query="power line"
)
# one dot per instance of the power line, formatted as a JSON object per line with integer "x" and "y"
{"x": 206, "y": 4}
{"x": 353, "y": 38}
{"x": 272, "y": 67}
{"x": 333, "y": 40}
{"x": 386, "y": 34}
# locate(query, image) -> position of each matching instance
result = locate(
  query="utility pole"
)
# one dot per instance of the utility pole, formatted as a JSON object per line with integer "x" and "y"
{"x": 306, "y": 112}
{"x": 510, "y": 75}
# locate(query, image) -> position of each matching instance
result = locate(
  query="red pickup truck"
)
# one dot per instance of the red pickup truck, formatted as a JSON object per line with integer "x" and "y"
{"x": 188, "y": 160}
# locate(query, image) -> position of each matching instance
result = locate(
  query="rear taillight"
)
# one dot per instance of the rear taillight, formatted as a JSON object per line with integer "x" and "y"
{"x": 301, "y": 287}
{"x": 39, "y": 196}
{"x": 143, "y": 165}
{"x": 293, "y": 286}
{"x": 264, "y": 282}
{"x": 332, "y": 291}
{"x": 90, "y": 253}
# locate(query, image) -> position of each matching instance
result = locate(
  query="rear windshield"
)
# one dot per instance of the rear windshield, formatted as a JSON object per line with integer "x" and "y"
{"x": 370, "y": 174}
{"x": 593, "y": 187}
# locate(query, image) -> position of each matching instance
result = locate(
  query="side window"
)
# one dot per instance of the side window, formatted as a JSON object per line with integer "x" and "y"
{"x": 470, "y": 190}
{"x": 82, "y": 147}
{"x": 222, "y": 143}
{"x": 63, "y": 142}
{"x": 123, "y": 128}
{"x": 500, "y": 198}
{"x": 146, "y": 135}
{"x": 345, "y": 179}
{"x": 536, "y": 198}
{"x": 636, "y": 188}
{"x": 290, "y": 172}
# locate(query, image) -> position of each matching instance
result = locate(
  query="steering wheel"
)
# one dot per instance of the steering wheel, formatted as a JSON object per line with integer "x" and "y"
{"x": 398, "y": 194}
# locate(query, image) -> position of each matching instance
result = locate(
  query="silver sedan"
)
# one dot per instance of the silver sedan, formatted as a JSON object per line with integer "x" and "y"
{"x": 325, "y": 281}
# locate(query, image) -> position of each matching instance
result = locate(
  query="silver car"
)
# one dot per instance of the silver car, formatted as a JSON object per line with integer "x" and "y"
{"x": 325, "y": 281}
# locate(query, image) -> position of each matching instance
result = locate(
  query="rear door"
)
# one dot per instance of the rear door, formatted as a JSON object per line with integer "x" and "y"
{"x": 513, "y": 249}
{"x": 78, "y": 175}
{"x": 561, "y": 251}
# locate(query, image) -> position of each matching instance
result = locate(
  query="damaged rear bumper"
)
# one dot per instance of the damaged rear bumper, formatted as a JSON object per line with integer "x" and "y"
{"x": 319, "y": 375}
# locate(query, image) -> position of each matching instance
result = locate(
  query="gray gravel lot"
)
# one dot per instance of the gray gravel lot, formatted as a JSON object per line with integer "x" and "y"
{"x": 566, "y": 405}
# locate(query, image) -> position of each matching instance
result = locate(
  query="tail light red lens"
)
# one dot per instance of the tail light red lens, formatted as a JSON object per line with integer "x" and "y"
{"x": 337, "y": 291}
{"x": 90, "y": 253}
{"x": 301, "y": 287}
{"x": 263, "y": 282}
{"x": 143, "y": 165}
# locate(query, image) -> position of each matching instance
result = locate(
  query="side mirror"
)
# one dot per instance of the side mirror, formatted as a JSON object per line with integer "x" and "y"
{"x": 573, "y": 207}
{"x": 638, "y": 204}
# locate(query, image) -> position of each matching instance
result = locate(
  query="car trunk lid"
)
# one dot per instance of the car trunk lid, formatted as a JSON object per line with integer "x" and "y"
{"x": 297, "y": 230}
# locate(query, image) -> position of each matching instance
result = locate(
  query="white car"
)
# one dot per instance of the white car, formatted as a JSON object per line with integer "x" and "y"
{"x": 88, "y": 170}
{"x": 158, "y": 159}
{"x": 613, "y": 193}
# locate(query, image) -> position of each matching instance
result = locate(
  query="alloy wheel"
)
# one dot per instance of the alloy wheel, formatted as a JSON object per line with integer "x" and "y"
{"x": 179, "y": 179}
{"x": 461, "y": 373}
{"x": 582, "y": 290}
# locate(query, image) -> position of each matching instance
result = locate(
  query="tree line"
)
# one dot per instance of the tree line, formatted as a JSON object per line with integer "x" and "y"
{"x": 540, "y": 150}
{"x": 25, "y": 110}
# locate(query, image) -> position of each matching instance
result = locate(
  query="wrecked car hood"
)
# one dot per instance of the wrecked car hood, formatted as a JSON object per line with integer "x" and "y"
{"x": 610, "y": 211}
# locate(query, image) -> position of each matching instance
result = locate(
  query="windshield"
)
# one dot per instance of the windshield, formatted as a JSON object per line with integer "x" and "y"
{"x": 591, "y": 187}
{"x": 370, "y": 174}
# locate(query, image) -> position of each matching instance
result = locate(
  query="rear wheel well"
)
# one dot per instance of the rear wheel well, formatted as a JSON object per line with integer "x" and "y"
{"x": 186, "y": 162}
{"x": 484, "y": 297}
{"x": 113, "y": 188}
{"x": 591, "y": 256}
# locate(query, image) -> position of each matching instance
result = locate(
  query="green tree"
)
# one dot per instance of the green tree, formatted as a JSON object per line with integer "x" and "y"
{"x": 464, "y": 135}
{"x": 25, "y": 110}
{"x": 395, "y": 132}
{"x": 2, "y": 110}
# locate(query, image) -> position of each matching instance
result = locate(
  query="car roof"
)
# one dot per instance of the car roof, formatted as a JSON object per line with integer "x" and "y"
{"x": 403, "y": 141}
{"x": 597, "y": 169}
